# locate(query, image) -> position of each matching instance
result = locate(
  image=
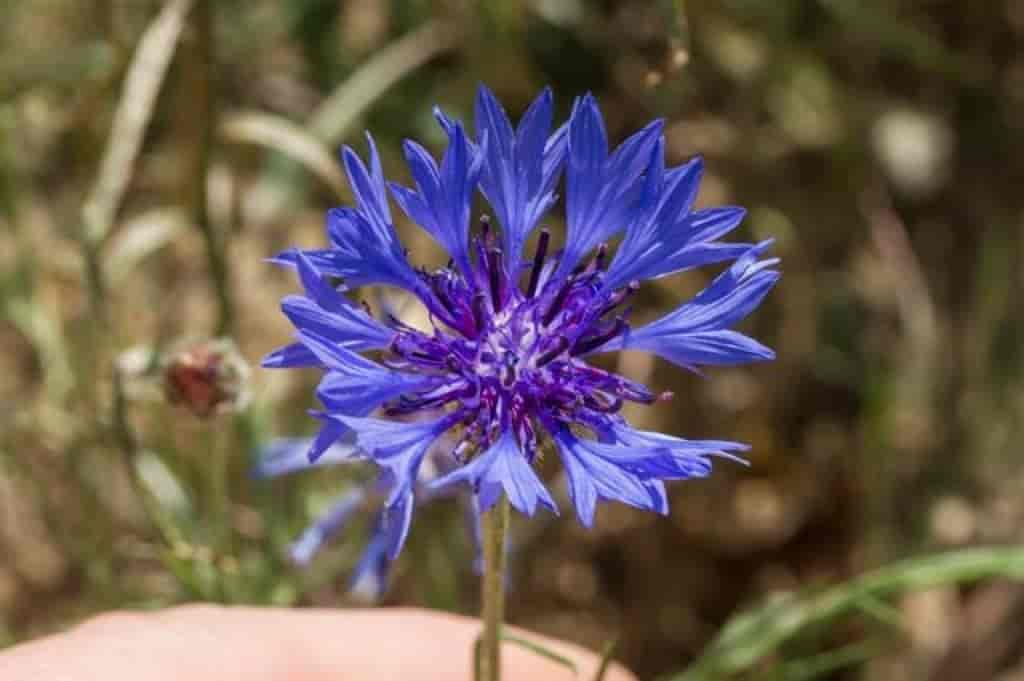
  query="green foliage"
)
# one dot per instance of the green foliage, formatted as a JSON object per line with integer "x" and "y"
{"x": 752, "y": 635}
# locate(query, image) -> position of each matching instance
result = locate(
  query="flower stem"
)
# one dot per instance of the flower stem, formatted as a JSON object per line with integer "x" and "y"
{"x": 492, "y": 593}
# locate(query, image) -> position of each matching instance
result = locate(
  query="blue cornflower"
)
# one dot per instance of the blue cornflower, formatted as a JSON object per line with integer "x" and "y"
{"x": 505, "y": 360}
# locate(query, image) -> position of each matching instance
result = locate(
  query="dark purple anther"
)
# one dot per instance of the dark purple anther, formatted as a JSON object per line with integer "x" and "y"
{"x": 527, "y": 435}
{"x": 494, "y": 268}
{"x": 558, "y": 302}
{"x": 561, "y": 345}
{"x": 619, "y": 297}
{"x": 538, "y": 262}
{"x": 479, "y": 313}
{"x": 588, "y": 344}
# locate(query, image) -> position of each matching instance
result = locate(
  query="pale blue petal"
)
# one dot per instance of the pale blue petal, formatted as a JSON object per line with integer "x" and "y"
{"x": 443, "y": 197}
{"x": 602, "y": 191}
{"x": 326, "y": 527}
{"x": 289, "y": 455}
{"x": 605, "y": 472}
{"x": 293, "y": 356}
{"x": 502, "y": 468}
{"x": 520, "y": 168}
{"x": 665, "y": 238}
{"x": 340, "y": 322}
{"x": 370, "y": 576}
{"x": 398, "y": 448}
{"x": 697, "y": 332}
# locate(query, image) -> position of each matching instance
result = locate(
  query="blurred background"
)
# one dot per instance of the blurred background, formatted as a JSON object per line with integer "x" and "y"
{"x": 152, "y": 154}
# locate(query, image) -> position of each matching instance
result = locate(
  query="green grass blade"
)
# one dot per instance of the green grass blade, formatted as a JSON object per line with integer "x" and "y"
{"x": 816, "y": 666}
{"x": 538, "y": 649}
{"x": 751, "y": 635}
{"x": 607, "y": 655}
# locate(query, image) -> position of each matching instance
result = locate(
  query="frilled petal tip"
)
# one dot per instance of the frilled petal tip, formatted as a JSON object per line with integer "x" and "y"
{"x": 502, "y": 469}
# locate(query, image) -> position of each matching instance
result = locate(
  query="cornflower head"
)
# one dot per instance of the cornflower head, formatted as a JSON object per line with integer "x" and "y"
{"x": 505, "y": 362}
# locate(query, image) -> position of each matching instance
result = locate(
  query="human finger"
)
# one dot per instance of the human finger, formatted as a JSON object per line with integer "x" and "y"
{"x": 211, "y": 643}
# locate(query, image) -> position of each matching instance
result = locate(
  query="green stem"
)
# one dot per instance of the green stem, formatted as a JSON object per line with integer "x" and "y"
{"x": 492, "y": 594}
{"x": 128, "y": 443}
{"x": 204, "y": 117}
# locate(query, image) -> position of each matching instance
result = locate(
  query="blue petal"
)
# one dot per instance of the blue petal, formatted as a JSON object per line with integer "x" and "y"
{"x": 326, "y": 527}
{"x": 289, "y": 455}
{"x": 665, "y": 237}
{"x": 598, "y": 471}
{"x": 331, "y": 432}
{"x": 711, "y": 223}
{"x": 353, "y": 385}
{"x": 629, "y": 161}
{"x": 520, "y": 168}
{"x": 694, "y": 255}
{"x": 365, "y": 254}
{"x": 365, "y": 249}
{"x": 337, "y": 358}
{"x": 369, "y": 188}
{"x": 493, "y": 122}
{"x": 648, "y": 438}
{"x": 359, "y": 395}
{"x": 658, "y": 495}
{"x": 293, "y": 356}
{"x": 318, "y": 290}
{"x": 531, "y": 139}
{"x": 370, "y": 575}
{"x": 556, "y": 150}
{"x": 399, "y": 448}
{"x": 698, "y": 331}
{"x": 691, "y": 456}
{"x": 602, "y": 191}
{"x": 397, "y": 521}
{"x": 588, "y": 151}
{"x": 663, "y": 203}
{"x": 502, "y": 467}
{"x": 471, "y": 514}
{"x": 340, "y": 321}
{"x": 443, "y": 197}
{"x": 356, "y": 385}
{"x": 712, "y": 348}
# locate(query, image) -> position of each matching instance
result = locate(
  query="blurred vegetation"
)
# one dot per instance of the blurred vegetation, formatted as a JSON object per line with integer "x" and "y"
{"x": 879, "y": 141}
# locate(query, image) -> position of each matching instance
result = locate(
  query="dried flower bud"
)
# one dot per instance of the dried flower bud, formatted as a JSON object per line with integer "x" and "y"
{"x": 206, "y": 377}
